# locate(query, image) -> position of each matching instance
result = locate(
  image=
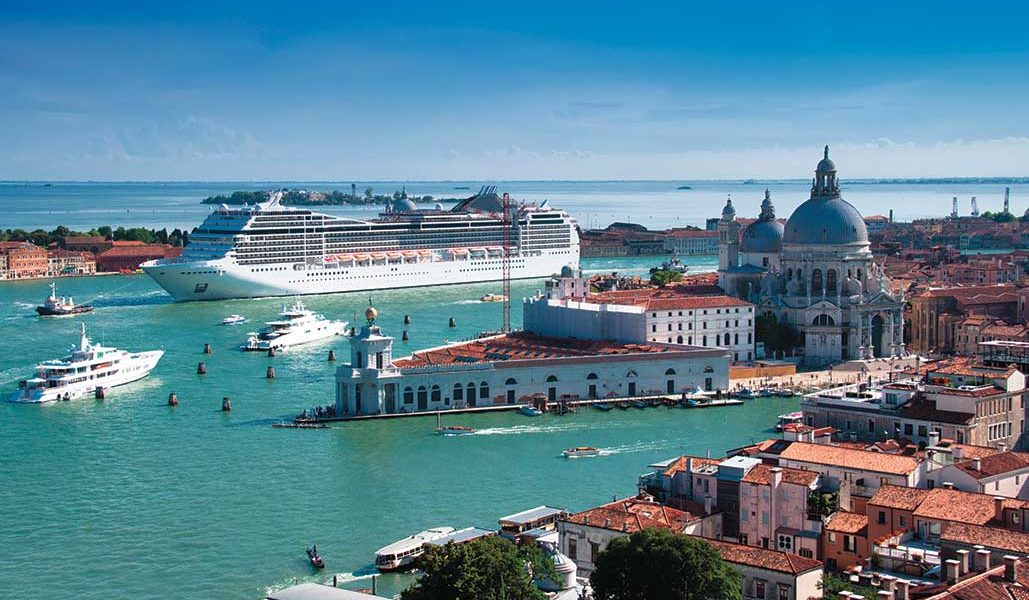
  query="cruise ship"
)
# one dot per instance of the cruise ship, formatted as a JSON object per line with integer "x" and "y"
{"x": 273, "y": 250}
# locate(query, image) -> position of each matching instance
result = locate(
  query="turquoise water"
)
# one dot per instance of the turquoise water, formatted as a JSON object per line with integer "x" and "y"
{"x": 129, "y": 498}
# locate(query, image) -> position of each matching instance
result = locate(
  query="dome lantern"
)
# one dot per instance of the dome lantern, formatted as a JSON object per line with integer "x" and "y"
{"x": 729, "y": 212}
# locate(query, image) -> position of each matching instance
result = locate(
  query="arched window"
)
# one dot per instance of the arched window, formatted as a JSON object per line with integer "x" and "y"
{"x": 800, "y": 274}
{"x": 725, "y": 340}
{"x": 789, "y": 273}
{"x": 422, "y": 394}
{"x": 408, "y": 396}
{"x": 631, "y": 374}
{"x": 736, "y": 338}
{"x": 830, "y": 281}
{"x": 484, "y": 390}
{"x": 703, "y": 341}
{"x": 551, "y": 379}
{"x": 435, "y": 393}
{"x": 859, "y": 275}
{"x": 823, "y": 319}
{"x": 670, "y": 372}
{"x": 458, "y": 392}
{"x": 591, "y": 376}
{"x": 816, "y": 281}
{"x": 360, "y": 361}
{"x": 510, "y": 381}
{"x": 678, "y": 340}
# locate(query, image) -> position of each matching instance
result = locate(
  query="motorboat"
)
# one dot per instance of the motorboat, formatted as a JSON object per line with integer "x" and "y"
{"x": 793, "y": 418}
{"x": 581, "y": 452}
{"x": 234, "y": 320}
{"x": 745, "y": 394}
{"x": 785, "y": 393}
{"x": 61, "y": 306}
{"x": 493, "y": 298}
{"x": 316, "y": 561}
{"x": 530, "y": 411}
{"x": 402, "y": 554}
{"x": 766, "y": 393}
{"x": 296, "y": 325}
{"x": 603, "y": 406}
{"x": 88, "y": 368}
{"x": 455, "y": 430}
{"x": 639, "y": 403}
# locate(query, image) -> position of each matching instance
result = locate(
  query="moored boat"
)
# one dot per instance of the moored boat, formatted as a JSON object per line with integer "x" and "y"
{"x": 581, "y": 452}
{"x": 402, "y": 554}
{"x": 62, "y": 306}
{"x": 530, "y": 411}
{"x": 745, "y": 394}
{"x": 602, "y": 406}
{"x": 793, "y": 418}
{"x": 639, "y": 403}
{"x": 785, "y": 393}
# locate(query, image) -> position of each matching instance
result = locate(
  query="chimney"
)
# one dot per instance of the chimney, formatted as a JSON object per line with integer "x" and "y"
{"x": 963, "y": 556}
{"x": 709, "y": 504}
{"x": 998, "y": 508}
{"x": 977, "y": 464}
{"x": 884, "y": 595}
{"x": 958, "y": 453}
{"x": 1011, "y": 568}
{"x": 982, "y": 560}
{"x": 776, "y": 476}
{"x": 948, "y": 485}
{"x": 886, "y": 582}
{"x": 934, "y": 438}
{"x": 952, "y": 570}
{"x": 1003, "y": 447}
{"x": 902, "y": 590}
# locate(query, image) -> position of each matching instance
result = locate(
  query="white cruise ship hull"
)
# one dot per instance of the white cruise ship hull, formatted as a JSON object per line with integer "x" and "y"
{"x": 222, "y": 278}
{"x": 133, "y": 368}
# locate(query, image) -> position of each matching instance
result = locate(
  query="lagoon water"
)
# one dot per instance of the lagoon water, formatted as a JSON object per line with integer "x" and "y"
{"x": 656, "y": 204}
{"x": 130, "y": 498}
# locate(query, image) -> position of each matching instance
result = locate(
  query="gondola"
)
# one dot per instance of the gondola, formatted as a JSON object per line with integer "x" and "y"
{"x": 316, "y": 561}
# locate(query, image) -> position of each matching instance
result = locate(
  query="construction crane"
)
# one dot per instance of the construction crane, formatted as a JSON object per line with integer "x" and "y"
{"x": 954, "y": 208}
{"x": 506, "y": 263}
{"x": 1007, "y": 198}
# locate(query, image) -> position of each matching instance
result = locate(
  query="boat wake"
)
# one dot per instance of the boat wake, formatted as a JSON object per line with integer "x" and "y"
{"x": 467, "y": 302}
{"x": 523, "y": 429}
{"x": 647, "y": 446}
{"x": 24, "y": 305}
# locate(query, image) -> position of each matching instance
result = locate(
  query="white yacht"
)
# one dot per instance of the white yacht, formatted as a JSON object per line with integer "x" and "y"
{"x": 402, "y": 553}
{"x": 295, "y": 325}
{"x": 273, "y": 250}
{"x": 87, "y": 367}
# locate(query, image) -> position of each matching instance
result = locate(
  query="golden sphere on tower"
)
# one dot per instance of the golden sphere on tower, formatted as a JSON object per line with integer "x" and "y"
{"x": 370, "y": 313}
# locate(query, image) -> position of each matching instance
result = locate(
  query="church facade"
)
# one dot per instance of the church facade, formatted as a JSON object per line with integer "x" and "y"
{"x": 815, "y": 273}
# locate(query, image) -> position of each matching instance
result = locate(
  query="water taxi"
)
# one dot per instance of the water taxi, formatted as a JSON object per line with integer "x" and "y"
{"x": 62, "y": 306}
{"x": 234, "y": 320}
{"x": 530, "y": 411}
{"x": 581, "y": 452}
{"x": 402, "y": 554}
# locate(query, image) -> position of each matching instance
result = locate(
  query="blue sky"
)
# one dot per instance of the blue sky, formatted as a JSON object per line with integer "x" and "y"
{"x": 513, "y": 90}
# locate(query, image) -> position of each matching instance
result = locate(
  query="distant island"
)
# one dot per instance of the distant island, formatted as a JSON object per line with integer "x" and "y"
{"x": 684, "y": 187}
{"x": 314, "y": 198}
{"x": 462, "y": 187}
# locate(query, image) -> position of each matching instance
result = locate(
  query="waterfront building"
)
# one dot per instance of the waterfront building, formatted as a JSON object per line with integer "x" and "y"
{"x": 94, "y": 244}
{"x": 129, "y": 256}
{"x": 691, "y": 242}
{"x": 67, "y": 262}
{"x": 766, "y": 573}
{"x": 960, "y": 400}
{"x": 937, "y": 312}
{"x": 515, "y": 368}
{"x": 816, "y": 273}
{"x": 24, "y": 260}
{"x": 676, "y": 314}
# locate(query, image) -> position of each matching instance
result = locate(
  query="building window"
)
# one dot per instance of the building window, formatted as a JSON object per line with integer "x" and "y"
{"x": 902, "y": 521}
{"x": 832, "y": 537}
{"x": 458, "y": 392}
{"x": 435, "y": 393}
{"x": 594, "y": 551}
{"x": 759, "y": 588}
{"x": 408, "y": 396}
{"x": 784, "y": 591}
{"x": 849, "y": 544}
{"x": 483, "y": 390}
{"x": 573, "y": 548}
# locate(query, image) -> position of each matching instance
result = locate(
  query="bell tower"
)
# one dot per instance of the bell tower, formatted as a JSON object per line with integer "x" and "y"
{"x": 728, "y": 243}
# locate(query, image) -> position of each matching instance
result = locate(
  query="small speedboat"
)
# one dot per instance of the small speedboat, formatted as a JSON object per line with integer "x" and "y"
{"x": 785, "y": 393}
{"x": 493, "y": 298}
{"x": 745, "y": 394}
{"x": 603, "y": 406}
{"x": 316, "y": 561}
{"x": 234, "y": 320}
{"x": 530, "y": 411}
{"x": 766, "y": 393}
{"x": 692, "y": 402}
{"x": 455, "y": 430}
{"x": 581, "y": 452}
{"x": 623, "y": 406}
{"x": 639, "y": 403}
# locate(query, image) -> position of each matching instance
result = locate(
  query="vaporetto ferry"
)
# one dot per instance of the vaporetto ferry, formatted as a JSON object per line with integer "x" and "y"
{"x": 273, "y": 250}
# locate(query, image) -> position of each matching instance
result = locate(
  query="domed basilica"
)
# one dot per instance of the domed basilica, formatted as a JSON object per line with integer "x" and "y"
{"x": 816, "y": 273}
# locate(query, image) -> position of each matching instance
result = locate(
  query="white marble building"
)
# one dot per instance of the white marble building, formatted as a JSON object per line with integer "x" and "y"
{"x": 816, "y": 273}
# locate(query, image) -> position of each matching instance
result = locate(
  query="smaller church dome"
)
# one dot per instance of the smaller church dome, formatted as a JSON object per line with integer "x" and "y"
{"x": 826, "y": 165}
{"x": 403, "y": 205}
{"x": 567, "y": 271}
{"x": 370, "y": 313}
{"x": 729, "y": 212}
{"x": 762, "y": 236}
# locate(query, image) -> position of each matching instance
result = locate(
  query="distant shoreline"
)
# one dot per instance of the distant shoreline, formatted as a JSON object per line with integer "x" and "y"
{"x": 859, "y": 181}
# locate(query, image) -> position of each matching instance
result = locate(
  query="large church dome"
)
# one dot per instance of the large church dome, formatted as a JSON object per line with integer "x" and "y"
{"x": 825, "y": 218}
{"x": 765, "y": 234}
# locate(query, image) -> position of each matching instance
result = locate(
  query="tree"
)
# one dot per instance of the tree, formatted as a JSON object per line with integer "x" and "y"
{"x": 662, "y": 277}
{"x": 777, "y": 337}
{"x": 487, "y": 569}
{"x": 656, "y": 564}
{"x": 368, "y": 192}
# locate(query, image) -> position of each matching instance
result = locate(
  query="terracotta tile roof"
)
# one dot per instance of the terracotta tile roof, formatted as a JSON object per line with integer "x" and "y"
{"x": 770, "y": 560}
{"x": 956, "y": 505}
{"x": 968, "y": 366}
{"x": 898, "y": 497}
{"x": 989, "y": 585}
{"x": 925, "y": 410}
{"x": 993, "y": 465}
{"x": 850, "y": 458}
{"x": 975, "y": 294}
{"x": 524, "y": 346}
{"x": 681, "y": 297}
{"x": 633, "y": 514}
{"x": 142, "y": 250}
{"x": 679, "y": 464}
{"x": 691, "y": 233}
{"x": 991, "y": 537}
{"x": 762, "y": 475}
{"x": 847, "y": 522}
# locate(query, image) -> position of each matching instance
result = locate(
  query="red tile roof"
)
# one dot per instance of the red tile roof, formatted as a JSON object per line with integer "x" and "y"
{"x": 762, "y": 475}
{"x": 850, "y": 458}
{"x": 993, "y": 465}
{"x": 898, "y": 497}
{"x": 992, "y": 537}
{"x": 525, "y": 346}
{"x": 847, "y": 522}
{"x": 989, "y": 585}
{"x": 633, "y": 514}
{"x": 769, "y": 560}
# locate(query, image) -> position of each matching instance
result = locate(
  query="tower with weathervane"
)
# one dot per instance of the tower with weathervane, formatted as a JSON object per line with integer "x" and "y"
{"x": 368, "y": 385}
